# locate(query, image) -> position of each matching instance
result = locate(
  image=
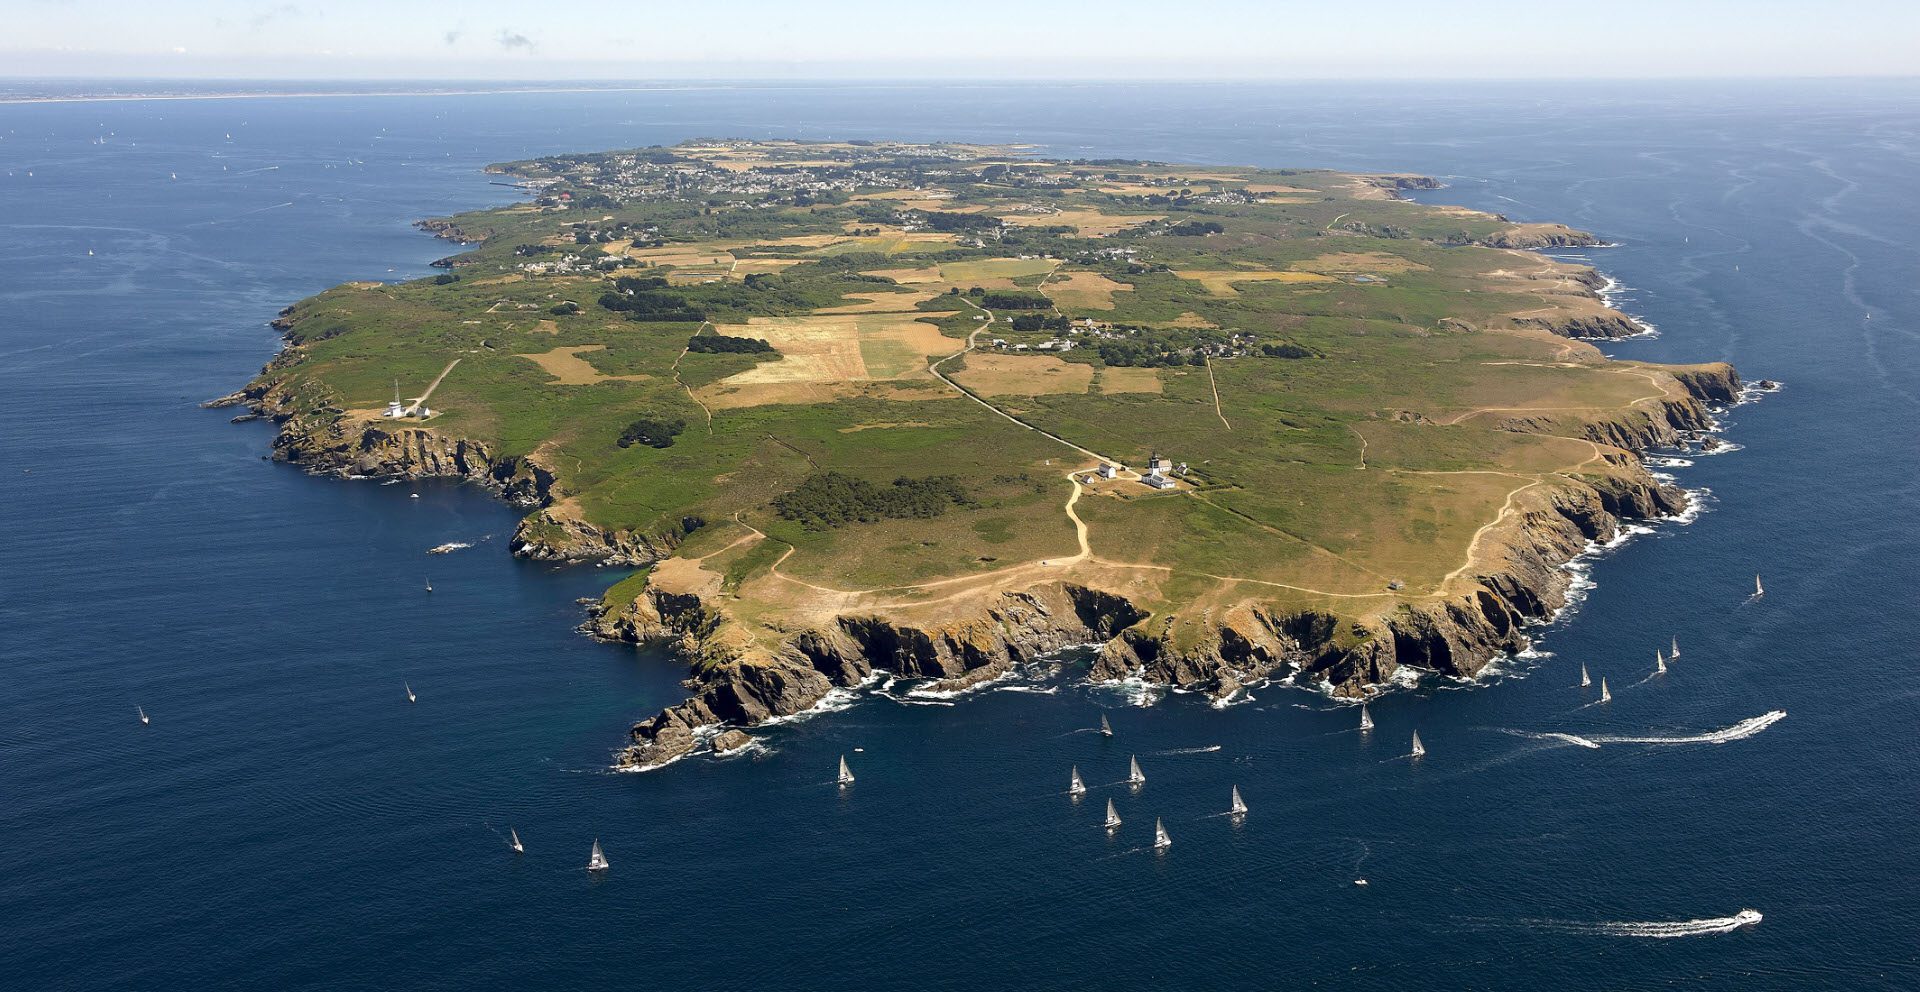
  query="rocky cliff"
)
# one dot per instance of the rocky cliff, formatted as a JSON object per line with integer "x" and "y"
{"x": 739, "y": 680}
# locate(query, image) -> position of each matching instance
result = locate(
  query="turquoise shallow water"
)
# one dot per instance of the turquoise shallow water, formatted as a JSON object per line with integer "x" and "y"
{"x": 289, "y": 821}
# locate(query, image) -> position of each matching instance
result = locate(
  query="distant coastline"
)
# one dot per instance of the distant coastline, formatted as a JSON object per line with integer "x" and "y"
{"x": 265, "y": 94}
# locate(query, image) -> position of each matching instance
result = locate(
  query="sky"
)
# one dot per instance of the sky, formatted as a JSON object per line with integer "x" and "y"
{"x": 970, "y": 39}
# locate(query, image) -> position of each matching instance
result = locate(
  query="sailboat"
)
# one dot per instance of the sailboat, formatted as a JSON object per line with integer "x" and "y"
{"x": 145, "y": 720}
{"x": 1659, "y": 663}
{"x": 1675, "y": 652}
{"x": 1160, "y": 839}
{"x": 1758, "y": 589}
{"x": 598, "y": 861}
{"x": 519, "y": 848}
{"x": 1106, "y": 729}
{"x": 409, "y": 689}
{"x": 1366, "y": 721}
{"x": 846, "y": 774}
{"x": 1605, "y": 696}
{"x": 1237, "y": 807}
{"x": 1418, "y": 748}
{"x": 1133, "y": 772}
{"x": 1076, "y": 787}
{"x": 1585, "y": 679}
{"x": 1113, "y": 816}
{"x": 429, "y": 584}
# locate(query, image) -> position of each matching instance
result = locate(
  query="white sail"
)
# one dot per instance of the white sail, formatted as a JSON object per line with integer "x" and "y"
{"x": 144, "y": 719}
{"x": 1675, "y": 652}
{"x": 1366, "y": 721}
{"x": 1659, "y": 663}
{"x": 409, "y": 689}
{"x": 1106, "y": 729}
{"x": 1605, "y": 696}
{"x": 1160, "y": 838}
{"x": 1237, "y": 807}
{"x": 1418, "y": 748}
{"x": 429, "y": 585}
{"x": 1758, "y": 589}
{"x": 1075, "y": 787}
{"x": 1113, "y": 816}
{"x": 518, "y": 848}
{"x": 1133, "y": 771}
{"x": 846, "y": 774}
{"x": 1585, "y": 679}
{"x": 598, "y": 862}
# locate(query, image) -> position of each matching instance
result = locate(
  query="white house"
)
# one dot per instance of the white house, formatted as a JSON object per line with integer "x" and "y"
{"x": 1158, "y": 481}
{"x": 1107, "y": 470}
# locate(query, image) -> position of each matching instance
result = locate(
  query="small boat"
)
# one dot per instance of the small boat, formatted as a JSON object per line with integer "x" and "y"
{"x": 519, "y": 848}
{"x": 1360, "y": 882}
{"x": 1747, "y": 918}
{"x": 1237, "y": 807}
{"x": 1133, "y": 772}
{"x": 1605, "y": 696}
{"x": 1675, "y": 652}
{"x": 598, "y": 861}
{"x": 1758, "y": 589}
{"x": 1106, "y": 729}
{"x": 429, "y": 585}
{"x": 145, "y": 720}
{"x": 1160, "y": 839}
{"x": 1659, "y": 663}
{"x": 1075, "y": 787}
{"x": 1585, "y": 679}
{"x": 1418, "y": 748}
{"x": 846, "y": 774}
{"x": 89, "y": 253}
{"x": 1366, "y": 721}
{"x": 1113, "y": 816}
{"x": 409, "y": 689}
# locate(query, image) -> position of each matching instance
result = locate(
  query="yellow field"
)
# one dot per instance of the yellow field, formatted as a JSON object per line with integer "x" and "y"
{"x": 1002, "y": 375}
{"x": 1220, "y": 283}
{"x": 1122, "y": 379}
{"x": 986, "y": 273}
{"x": 761, "y": 266}
{"x": 569, "y": 369}
{"x": 828, "y": 348}
{"x": 884, "y": 303}
{"x": 1084, "y": 290}
{"x": 1089, "y": 223}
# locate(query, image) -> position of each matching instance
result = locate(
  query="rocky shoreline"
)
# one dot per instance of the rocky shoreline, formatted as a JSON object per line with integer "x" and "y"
{"x": 734, "y": 684}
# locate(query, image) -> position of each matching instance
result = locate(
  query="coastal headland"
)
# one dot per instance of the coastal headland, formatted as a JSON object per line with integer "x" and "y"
{"x": 937, "y": 410}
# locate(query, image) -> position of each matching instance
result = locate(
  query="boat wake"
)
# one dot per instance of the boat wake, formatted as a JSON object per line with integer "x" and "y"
{"x": 1739, "y": 731}
{"x": 1209, "y": 749}
{"x": 1548, "y": 735}
{"x": 1656, "y": 930}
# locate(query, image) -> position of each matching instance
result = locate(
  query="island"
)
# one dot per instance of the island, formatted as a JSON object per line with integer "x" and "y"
{"x": 933, "y": 411}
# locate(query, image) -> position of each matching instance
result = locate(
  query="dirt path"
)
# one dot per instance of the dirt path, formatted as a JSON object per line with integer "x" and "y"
{"x": 1474, "y": 545}
{"x": 1215, "y": 386}
{"x": 676, "y": 377}
{"x": 422, "y": 399}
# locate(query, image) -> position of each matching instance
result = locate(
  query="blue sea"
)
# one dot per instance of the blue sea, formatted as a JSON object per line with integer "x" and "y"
{"x": 289, "y": 821}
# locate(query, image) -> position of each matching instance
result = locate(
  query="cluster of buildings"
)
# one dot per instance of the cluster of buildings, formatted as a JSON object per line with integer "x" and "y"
{"x": 1161, "y": 472}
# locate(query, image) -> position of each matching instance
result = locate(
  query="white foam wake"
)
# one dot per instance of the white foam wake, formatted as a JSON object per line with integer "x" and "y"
{"x": 1548, "y": 735}
{"x": 1739, "y": 731}
{"x": 1658, "y": 930}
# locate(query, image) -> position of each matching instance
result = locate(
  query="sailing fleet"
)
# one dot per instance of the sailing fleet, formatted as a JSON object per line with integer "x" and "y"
{"x": 1077, "y": 786}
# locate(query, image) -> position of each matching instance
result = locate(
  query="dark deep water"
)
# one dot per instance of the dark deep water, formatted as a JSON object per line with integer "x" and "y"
{"x": 289, "y": 821}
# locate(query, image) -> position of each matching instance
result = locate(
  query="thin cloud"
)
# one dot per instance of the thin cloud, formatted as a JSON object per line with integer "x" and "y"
{"x": 271, "y": 14}
{"x": 514, "y": 41}
{"x": 453, "y": 37}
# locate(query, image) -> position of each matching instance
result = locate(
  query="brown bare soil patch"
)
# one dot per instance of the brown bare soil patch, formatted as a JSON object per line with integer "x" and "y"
{"x": 569, "y": 369}
{"x": 1002, "y": 375}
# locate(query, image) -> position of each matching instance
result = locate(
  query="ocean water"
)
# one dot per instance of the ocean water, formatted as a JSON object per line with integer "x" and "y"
{"x": 290, "y": 821}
